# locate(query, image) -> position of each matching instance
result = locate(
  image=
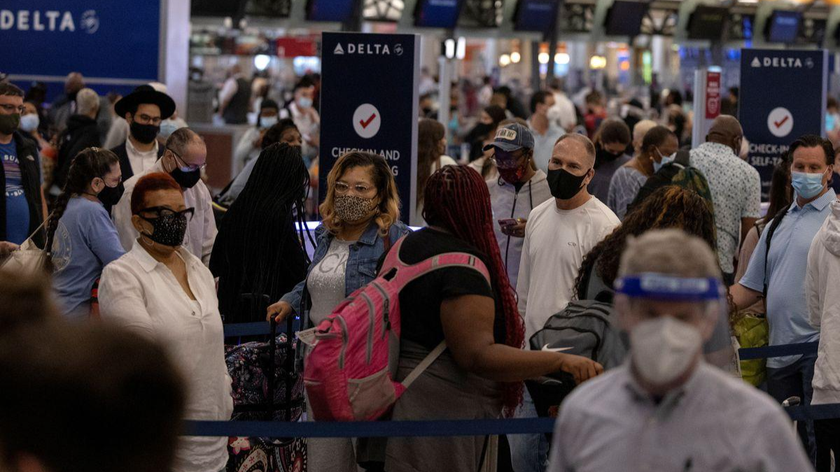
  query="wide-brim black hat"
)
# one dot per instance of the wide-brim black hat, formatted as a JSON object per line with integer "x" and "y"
{"x": 145, "y": 94}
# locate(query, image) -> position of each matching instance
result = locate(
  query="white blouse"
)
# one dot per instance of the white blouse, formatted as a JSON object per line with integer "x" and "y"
{"x": 140, "y": 293}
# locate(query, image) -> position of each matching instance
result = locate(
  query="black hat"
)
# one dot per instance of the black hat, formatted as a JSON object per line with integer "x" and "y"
{"x": 145, "y": 94}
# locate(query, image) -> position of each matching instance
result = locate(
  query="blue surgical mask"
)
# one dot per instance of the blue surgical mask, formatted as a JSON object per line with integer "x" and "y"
{"x": 304, "y": 102}
{"x": 29, "y": 122}
{"x": 167, "y": 127}
{"x": 806, "y": 185}
{"x": 665, "y": 160}
{"x": 267, "y": 121}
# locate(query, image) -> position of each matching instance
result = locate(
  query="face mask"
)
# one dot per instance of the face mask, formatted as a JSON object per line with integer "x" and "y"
{"x": 110, "y": 196}
{"x": 665, "y": 160}
{"x": 9, "y": 123}
{"x": 427, "y": 111}
{"x": 352, "y": 209}
{"x": 29, "y": 123}
{"x": 168, "y": 230}
{"x": 186, "y": 179}
{"x": 563, "y": 184}
{"x": 304, "y": 102}
{"x": 663, "y": 349}
{"x": 267, "y": 121}
{"x": 145, "y": 134}
{"x": 807, "y": 185}
{"x": 167, "y": 127}
{"x": 603, "y": 156}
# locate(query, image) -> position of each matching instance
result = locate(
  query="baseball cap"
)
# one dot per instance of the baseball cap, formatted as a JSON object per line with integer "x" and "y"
{"x": 511, "y": 138}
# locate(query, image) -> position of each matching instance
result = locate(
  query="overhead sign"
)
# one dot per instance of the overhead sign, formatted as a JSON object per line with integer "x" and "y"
{"x": 47, "y": 39}
{"x": 783, "y": 96}
{"x": 369, "y": 103}
{"x": 712, "y": 95}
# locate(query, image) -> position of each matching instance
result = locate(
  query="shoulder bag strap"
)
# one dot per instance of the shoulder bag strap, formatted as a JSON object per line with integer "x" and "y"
{"x": 774, "y": 225}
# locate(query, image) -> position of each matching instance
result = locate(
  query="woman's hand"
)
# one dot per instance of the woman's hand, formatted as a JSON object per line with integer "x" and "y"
{"x": 581, "y": 368}
{"x": 280, "y": 310}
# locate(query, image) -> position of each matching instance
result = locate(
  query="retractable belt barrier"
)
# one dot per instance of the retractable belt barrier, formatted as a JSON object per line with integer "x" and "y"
{"x": 446, "y": 428}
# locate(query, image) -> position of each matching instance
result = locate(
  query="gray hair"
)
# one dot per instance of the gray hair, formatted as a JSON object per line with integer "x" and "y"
{"x": 181, "y": 139}
{"x": 669, "y": 251}
{"x": 641, "y": 129}
{"x": 86, "y": 101}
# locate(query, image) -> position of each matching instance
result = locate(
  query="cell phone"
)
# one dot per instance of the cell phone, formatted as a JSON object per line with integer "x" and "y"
{"x": 508, "y": 222}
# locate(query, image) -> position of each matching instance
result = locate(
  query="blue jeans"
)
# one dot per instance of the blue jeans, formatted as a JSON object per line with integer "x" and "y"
{"x": 528, "y": 452}
{"x": 795, "y": 380}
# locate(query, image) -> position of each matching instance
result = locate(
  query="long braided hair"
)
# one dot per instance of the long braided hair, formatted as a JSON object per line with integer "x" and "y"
{"x": 257, "y": 250}
{"x": 457, "y": 199}
{"x": 88, "y": 164}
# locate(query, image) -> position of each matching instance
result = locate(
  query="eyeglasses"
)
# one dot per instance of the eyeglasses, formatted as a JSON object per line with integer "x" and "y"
{"x": 186, "y": 167}
{"x": 145, "y": 119}
{"x": 11, "y": 108}
{"x": 342, "y": 188}
{"x": 163, "y": 212}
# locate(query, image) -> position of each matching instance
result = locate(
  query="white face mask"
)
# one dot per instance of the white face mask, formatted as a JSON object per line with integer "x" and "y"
{"x": 663, "y": 349}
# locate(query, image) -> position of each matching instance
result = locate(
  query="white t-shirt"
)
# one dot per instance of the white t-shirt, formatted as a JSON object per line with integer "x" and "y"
{"x": 555, "y": 243}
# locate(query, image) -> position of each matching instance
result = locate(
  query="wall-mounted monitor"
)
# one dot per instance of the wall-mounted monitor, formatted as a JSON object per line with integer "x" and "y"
{"x": 625, "y": 18}
{"x": 783, "y": 26}
{"x": 707, "y": 23}
{"x": 215, "y": 8}
{"x": 536, "y": 15}
{"x": 437, "y": 13}
{"x": 330, "y": 10}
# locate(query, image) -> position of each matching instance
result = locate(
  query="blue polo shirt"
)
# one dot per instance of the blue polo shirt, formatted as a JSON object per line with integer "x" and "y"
{"x": 787, "y": 310}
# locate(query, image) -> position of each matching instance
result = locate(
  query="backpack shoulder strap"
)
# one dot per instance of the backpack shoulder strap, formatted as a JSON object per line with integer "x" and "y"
{"x": 424, "y": 364}
{"x": 441, "y": 261}
{"x": 771, "y": 230}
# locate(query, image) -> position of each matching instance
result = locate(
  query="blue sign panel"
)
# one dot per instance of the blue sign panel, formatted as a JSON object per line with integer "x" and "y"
{"x": 369, "y": 103}
{"x": 99, "y": 38}
{"x": 783, "y": 96}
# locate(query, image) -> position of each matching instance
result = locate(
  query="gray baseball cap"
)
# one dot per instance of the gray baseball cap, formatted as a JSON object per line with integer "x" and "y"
{"x": 512, "y": 137}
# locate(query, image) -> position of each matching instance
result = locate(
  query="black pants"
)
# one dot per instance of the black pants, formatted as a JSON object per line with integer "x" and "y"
{"x": 828, "y": 441}
{"x": 795, "y": 380}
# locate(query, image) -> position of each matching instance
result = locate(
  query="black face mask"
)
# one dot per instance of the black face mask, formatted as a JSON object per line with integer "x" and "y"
{"x": 110, "y": 196}
{"x": 427, "y": 111}
{"x": 483, "y": 129}
{"x": 603, "y": 156}
{"x": 186, "y": 179}
{"x": 146, "y": 134}
{"x": 9, "y": 123}
{"x": 168, "y": 230}
{"x": 564, "y": 185}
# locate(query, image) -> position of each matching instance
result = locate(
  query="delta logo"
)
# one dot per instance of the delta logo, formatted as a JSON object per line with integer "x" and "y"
{"x": 51, "y": 20}
{"x": 782, "y": 62}
{"x": 368, "y": 49}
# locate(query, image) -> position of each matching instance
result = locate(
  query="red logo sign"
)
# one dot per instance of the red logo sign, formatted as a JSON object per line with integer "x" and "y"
{"x": 712, "y": 95}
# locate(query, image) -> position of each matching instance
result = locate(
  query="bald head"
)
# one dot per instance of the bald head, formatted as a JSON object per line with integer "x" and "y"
{"x": 726, "y": 130}
{"x": 74, "y": 83}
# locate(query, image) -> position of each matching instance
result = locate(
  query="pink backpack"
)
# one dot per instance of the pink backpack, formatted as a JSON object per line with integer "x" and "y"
{"x": 349, "y": 372}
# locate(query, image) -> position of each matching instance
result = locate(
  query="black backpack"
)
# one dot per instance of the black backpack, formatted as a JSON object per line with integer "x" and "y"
{"x": 585, "y": 328}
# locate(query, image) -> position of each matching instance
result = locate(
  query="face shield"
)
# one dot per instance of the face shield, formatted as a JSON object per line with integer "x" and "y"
{"x": 700, "y": 302}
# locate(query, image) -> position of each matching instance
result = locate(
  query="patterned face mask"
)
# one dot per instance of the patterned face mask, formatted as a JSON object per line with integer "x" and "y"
{"x": 169, "y": 229}
{"x": 352, "y": 209}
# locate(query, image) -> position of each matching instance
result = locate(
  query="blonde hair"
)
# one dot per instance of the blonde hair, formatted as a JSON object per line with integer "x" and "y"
{"x": 388, "y": 211}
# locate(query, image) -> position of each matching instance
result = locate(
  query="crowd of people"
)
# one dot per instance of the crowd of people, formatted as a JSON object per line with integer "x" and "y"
{"x": 571, "y": 205}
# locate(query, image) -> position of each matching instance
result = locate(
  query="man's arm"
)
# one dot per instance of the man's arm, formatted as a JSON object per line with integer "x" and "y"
{"x": 226, "y": 95}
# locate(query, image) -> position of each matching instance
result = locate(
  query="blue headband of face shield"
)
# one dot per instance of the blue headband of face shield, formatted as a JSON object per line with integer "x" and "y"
{"x": 669, "y": 287}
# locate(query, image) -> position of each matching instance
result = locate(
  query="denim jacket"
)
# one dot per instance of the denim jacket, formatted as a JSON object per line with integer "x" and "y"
{"x": 361, "y": 265}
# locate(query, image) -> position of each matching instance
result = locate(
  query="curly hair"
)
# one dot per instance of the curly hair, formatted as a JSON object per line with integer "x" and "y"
{"x": 668, "y": 207}
{"x": 389, "y": 206}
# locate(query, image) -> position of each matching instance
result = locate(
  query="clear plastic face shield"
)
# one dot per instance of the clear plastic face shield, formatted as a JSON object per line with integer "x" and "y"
{"x": 699, "y": 302}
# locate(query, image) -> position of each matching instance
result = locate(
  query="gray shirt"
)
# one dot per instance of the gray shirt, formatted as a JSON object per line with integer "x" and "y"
{"x": 544, "y": 145}
{"x": 326, "y": 281}
{"x": 712, "y": 423}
